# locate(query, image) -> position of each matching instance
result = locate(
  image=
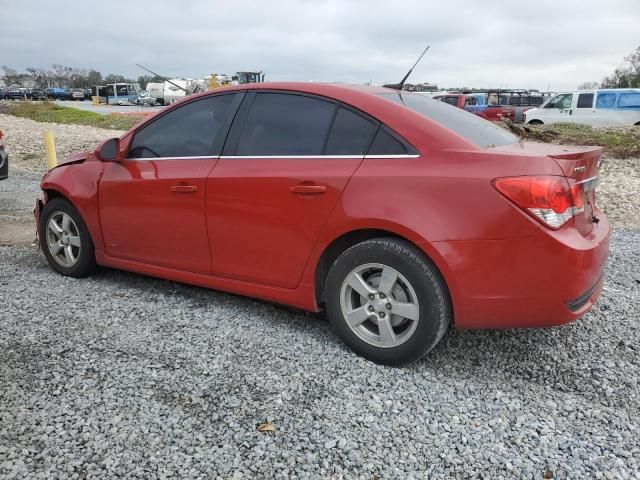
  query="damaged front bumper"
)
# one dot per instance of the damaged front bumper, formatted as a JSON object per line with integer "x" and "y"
{"x": 37, "y": 212}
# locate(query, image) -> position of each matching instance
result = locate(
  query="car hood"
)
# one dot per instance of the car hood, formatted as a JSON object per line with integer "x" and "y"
{"x": 71, "y": 159}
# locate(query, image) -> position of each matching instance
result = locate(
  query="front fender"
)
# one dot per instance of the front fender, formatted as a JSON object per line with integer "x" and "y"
{"x": 78, "y": 183}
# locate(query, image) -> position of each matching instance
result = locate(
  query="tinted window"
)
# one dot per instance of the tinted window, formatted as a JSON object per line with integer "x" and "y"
{"x": 606, "y": 100}
{"x": 585, "y": 100}
{"x": 386, "y": 144}
{"x": 629, "y": 100}
{"x": 350, "y": 134}
{"x": 476, "y": 130}
{"x": 284, "y": 124}
{"x": 188, "y": 131}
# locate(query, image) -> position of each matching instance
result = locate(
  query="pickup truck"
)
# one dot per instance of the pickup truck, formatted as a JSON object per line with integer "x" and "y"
{"x": 58, "y": 93}
{"x": 476, "y": 105}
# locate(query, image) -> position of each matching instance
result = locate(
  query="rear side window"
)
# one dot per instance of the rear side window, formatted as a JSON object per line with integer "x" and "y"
{"x": 386, "y": 144}
{"x": 350, "y": 134}
{"x": 188, "y": 131}
{"x": 606, "y": 100}
{"x": 474, "y": 129}
{"x": 285, "y": 124}
{"x": 585, "y": 100}
{"x": 629, "y": 100}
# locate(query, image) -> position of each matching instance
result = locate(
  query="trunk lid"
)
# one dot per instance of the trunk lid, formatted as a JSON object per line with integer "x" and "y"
{"x": 581, "y": 164}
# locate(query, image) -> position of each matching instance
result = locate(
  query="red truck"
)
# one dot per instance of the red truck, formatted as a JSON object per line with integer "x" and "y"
{"x": 494, "y": 113}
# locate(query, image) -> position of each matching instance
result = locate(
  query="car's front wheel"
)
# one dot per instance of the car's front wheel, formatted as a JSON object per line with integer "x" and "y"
{"x": 65, "y": 239}
{"x": 387, "y": 301}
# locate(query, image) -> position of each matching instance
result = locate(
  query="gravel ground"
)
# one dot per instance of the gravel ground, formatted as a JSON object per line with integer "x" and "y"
{"x": 120, "y": 375}
{"x": 25, "y": 140}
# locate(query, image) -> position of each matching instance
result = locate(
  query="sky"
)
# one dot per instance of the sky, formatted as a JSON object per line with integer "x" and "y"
{"x": 556, "y": 44}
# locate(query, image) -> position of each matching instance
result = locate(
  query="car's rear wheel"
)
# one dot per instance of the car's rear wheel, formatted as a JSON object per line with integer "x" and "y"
{"x": 65, "y": 239}
{"x": 387, "y": 301}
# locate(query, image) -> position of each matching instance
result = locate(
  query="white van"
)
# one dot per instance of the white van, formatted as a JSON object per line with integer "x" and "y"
{"x": 599, "y": 108}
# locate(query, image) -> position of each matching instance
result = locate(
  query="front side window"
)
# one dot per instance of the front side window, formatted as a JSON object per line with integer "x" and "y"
{"x": 585, "y": 100}
{"x": 629, "y": 100}
{"x": 471, "y": 127}
{"x": 285, "y": 124}
{"x": 190, "y": 130}
{"x": 350, "y": 134}
{"x": 606, "y": 100}
{"x": 562, "y": 102}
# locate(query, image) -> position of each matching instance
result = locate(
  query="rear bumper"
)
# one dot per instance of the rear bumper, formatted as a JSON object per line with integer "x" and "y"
{"x": 549, "y": 278}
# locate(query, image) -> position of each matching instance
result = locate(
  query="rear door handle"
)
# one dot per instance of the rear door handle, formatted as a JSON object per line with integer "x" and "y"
{"x": 309, "y": 189}
{"x": 184, "y": 189}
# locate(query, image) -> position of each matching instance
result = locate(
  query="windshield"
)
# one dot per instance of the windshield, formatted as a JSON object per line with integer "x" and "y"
{"x": 478, "y": 131}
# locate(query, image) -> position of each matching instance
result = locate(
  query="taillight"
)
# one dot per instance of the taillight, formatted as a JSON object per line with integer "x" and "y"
{"x": 1, "y": 141}
{"x": 551, "y": 200}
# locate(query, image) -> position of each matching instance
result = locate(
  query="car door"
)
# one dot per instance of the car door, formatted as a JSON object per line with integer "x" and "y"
{"x": 558, "y": 109}
{"x": 152, "y": 203}
{"x": 584, "y": 110}
{"x": 287, "y": 160}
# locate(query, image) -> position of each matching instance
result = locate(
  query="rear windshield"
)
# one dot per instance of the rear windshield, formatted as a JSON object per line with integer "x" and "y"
{"x": 477, "y": 130}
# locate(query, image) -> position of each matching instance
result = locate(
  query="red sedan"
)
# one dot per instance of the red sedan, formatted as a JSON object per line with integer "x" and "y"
{"x": 398, "y": 214}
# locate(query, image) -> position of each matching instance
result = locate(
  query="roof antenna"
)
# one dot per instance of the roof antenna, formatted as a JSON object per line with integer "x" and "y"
{"x": 398, "y": 86}
{"x": 164, "y": 78}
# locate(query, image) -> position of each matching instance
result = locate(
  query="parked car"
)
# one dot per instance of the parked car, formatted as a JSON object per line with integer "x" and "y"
{"x": 38, "y": 94}
{"x": 145, "y": 100}
{"x": 77, "y": 94}
{"x": 389, "y": 209}
{"x": 599, "y": 108}
{"x": 15, "y": 93}
{"x": 58, "y": 93}
{"x": 4, "y": 159}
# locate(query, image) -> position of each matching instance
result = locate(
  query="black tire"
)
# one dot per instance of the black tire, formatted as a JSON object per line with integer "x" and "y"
{"x": 434, "y": 314}
{"x": 86, "y": 260}
{"x": 535, "y": 122}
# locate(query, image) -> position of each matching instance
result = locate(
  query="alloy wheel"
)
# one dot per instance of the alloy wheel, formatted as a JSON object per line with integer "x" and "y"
{"x": 63, "y": 239}
{"x": 379, "y": 305}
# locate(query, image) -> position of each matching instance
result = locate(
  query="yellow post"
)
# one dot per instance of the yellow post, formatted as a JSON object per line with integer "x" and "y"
{"x": 95, "y": 100}
{"x": 50, "y": 149}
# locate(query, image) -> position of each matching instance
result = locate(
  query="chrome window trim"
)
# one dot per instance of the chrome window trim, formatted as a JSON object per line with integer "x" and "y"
{"x": 259, "y": 157}
{"x": 201, "y": 157}
{"x": 267, "y": 157}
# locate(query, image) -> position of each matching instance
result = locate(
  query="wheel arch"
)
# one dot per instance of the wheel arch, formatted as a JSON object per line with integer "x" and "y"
{"x": 53, "y": 193}
{"x": 350, "y": 238}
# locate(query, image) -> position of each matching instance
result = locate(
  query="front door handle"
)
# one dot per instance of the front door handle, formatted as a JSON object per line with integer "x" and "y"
{"x": 184, "y": 189}
{"x": 308, "y": 189}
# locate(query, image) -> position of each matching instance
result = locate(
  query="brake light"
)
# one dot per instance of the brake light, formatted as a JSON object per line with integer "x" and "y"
{"x": 551, "y": 200}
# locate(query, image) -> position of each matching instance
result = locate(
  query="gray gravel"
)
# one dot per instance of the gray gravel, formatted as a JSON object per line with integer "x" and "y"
{"x": 123, "y": 376}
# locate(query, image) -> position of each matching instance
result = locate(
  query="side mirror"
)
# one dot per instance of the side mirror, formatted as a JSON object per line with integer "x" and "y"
{"x": 108, "y": 151}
